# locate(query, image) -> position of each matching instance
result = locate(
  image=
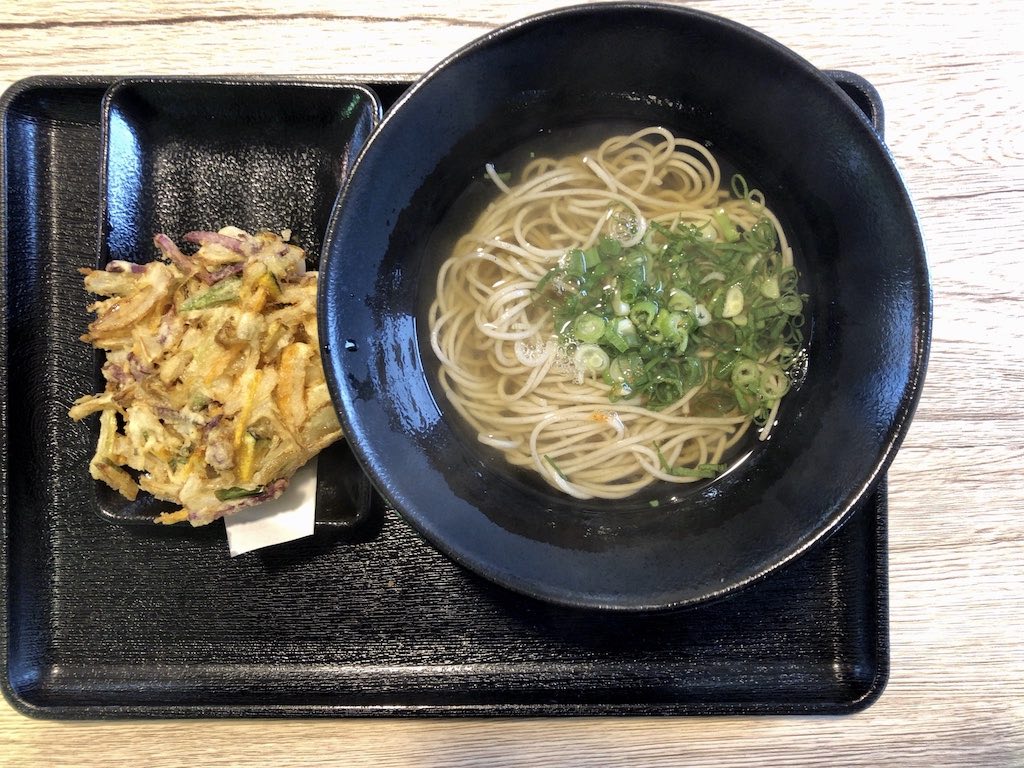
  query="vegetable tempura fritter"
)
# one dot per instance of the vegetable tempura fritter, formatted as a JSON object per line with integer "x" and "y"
{"x": 215, "y": 393}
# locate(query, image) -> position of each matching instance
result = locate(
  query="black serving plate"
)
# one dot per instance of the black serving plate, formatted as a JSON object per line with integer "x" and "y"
{"x": 186, "y": 154}
{"x": 104, "y": 619}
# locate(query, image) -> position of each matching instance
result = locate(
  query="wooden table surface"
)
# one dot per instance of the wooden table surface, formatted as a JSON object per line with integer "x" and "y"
{"x": 951, "y": 75}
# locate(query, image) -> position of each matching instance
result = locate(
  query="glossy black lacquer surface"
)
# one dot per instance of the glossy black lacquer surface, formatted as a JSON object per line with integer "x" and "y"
{"x": 822, "y": 168}
{"x": 188, "y": 154}
{"x": 108, "y": 620}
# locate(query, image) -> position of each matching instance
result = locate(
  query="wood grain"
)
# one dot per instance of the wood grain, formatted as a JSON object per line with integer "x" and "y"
{"x": 951, "y": 75}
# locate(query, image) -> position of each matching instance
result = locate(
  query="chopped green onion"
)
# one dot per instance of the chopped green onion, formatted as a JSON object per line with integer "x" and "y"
{"x": 703, "y": 471}
{"x": 543, "y": 282}
{"x": 198, "y": 401}
{"x": 763, "y": 313}
{"x": 673, "y": 326}
{"x": 230, "y": 494}
{"x": 733, "y": 301}
{"x": 745, "y": 373}
{"x": 693, "y": 372}
{"x": 773, "y": 383}
{"x": 625, "y": 367}
{"x": 643, "y": 314}
{"x": 554, "y": 466}
{"x": 616, "y": 339}
{"x": 684, "y": 308}
{"x": 700, "y": 312}
{"x": 712, "y": 404}
{"x": 739, "y": 187}
{"x": 770, "y": 287}
{"x": 576, "y": 263}
{"x": 591, "y": 358}
{"x": 621, "y": 391}
{"x": 628, "y": 290}
{"x": 787, "y": 281}
{"x": 666, "y": 392}
{"x": 725, "y": 225}
{"x": 220, "y": 293}
{"x": 790, "y": 304}
{"x": 589, "y": 327}
{"x": 681, "y": 301}
{"x": 721, "y": 331}
{"x": 762, "y": 236}
{"x": 609, "y": 246}
{"x": 651, "y": 351}
{"x": 625, "y": 328}
{"x": 661, "y": 459}
{"x": 618, "y": 306}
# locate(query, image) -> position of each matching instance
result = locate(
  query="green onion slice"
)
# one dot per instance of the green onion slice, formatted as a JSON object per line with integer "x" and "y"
{"x": 589, "y": 327}
{"x": 230, "y": 494}
{"x": 684, "y": 306}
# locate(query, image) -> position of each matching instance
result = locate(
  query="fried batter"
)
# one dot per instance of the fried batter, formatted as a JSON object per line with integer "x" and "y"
{"x": 215, "y": 392}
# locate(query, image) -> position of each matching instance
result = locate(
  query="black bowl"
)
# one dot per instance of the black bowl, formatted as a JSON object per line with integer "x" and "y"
{"x": 823, "y": 169}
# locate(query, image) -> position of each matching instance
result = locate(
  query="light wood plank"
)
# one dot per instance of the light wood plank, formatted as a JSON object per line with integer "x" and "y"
{"x": 951, "y": 75}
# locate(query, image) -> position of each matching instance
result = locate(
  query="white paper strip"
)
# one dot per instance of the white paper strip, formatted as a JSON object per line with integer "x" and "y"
{"x": 286, "y": 518}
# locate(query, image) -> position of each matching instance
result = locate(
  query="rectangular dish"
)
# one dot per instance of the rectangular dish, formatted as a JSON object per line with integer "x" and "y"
{"x": 103, "y": 619}
{"x": 183, "y": 154}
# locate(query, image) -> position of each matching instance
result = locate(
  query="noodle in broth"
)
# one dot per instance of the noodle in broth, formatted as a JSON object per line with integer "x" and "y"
{"x": 513, "y": 376}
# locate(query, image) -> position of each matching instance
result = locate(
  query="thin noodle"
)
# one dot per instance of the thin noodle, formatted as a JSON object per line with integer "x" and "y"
{"x": 501, "y": 366}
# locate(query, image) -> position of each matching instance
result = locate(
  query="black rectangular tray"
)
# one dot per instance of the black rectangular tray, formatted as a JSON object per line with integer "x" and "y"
{"x": 103, "y": 619}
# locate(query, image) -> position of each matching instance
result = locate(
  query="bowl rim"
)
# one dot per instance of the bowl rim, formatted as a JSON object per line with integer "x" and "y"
{"x": 888, "y": 446}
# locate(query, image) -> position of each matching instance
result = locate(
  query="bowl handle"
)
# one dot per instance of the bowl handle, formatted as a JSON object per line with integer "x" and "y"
{"x": 863, "y": 94}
